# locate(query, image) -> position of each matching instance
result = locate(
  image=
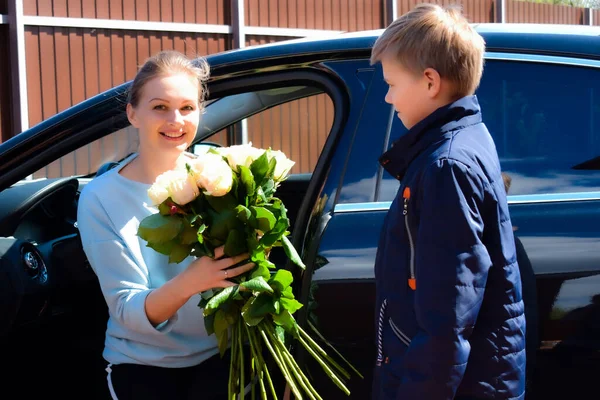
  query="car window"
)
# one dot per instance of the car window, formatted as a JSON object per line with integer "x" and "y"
{"x": 87, "y": 159}
{"x": 298, "y": 127}
{"x": 545, "y": 121}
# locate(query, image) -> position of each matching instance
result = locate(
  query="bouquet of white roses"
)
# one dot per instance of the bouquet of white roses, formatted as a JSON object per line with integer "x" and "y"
{"x": 227, "y": 197}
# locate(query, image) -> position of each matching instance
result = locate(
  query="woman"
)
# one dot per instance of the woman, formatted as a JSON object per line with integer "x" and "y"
{"x": 156, "y": 345}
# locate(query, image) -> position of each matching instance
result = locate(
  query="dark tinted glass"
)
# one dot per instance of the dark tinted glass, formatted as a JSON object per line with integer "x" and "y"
{"x": 545, "y": 120}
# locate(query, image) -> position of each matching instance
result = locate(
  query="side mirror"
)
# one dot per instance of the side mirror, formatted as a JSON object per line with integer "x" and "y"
{"x": 203, "y": 147}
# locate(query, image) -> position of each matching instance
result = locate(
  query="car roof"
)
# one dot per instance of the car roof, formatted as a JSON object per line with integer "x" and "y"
{"x": 548, "y": 39}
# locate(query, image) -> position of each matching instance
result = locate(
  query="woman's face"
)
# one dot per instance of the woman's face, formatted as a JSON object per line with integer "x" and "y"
{"x": 167, "y": 114}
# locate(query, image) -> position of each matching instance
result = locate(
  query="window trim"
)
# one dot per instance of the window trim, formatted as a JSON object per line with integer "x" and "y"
{"x": 544, "y": 198}
{"x": 513, "y": 199}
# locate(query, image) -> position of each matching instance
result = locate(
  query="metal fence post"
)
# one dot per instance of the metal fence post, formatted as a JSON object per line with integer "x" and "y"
{"x": 239, "y": 134}
{"x": 391, "y": 11}
{"x": 588, "y": 16}
{"x": 500, "y": 11}
{"x": 16, "y": 34}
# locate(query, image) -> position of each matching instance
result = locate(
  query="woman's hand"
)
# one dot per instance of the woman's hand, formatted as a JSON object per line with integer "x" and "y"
{"x": 206, "y": 273}
{"x": 202, "y": 274}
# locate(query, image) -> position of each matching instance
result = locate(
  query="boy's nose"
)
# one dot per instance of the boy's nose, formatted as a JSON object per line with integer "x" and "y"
{"x": 388, "y": 98}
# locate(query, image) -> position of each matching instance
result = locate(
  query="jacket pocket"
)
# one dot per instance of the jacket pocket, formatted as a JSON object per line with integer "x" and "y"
{"x": 399, "y": 334}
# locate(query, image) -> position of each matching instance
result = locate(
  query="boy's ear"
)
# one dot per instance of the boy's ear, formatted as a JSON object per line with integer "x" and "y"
{"x": 131, "y": 115}
{"x": 433, "y": 80}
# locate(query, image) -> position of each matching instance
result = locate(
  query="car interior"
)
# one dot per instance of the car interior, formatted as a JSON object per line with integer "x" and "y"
{"x": 52, "y": 313}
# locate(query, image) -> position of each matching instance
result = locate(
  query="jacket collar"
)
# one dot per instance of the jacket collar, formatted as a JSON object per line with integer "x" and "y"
{"x": 457, "y": 115}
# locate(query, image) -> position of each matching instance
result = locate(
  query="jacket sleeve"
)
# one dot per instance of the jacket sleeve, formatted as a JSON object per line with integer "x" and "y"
{"x": 124, "y": 282}
{"x": 451, "y": 268}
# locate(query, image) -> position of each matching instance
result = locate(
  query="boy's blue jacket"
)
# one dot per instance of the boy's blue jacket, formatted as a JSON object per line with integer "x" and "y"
{"x": 459, "y": 331}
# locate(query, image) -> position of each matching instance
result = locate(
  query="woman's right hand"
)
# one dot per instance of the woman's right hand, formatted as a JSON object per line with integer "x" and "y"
{"x": 207, "y": 273}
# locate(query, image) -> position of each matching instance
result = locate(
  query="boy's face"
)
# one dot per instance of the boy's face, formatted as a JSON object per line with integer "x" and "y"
{"x": 408, "y": 93}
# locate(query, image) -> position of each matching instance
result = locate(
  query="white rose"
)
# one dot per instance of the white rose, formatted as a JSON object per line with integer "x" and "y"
{"x": 283, "y": 165}
{"x": 242, "y": 154}
{"x": 159, "y": 191}
{"x": 212, "y": 174}
{"x": 182, "y": 187}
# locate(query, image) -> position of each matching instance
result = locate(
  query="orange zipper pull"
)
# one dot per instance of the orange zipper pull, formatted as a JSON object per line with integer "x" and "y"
{"x": 406, "y": 193}
{"x": 412, "y": 283}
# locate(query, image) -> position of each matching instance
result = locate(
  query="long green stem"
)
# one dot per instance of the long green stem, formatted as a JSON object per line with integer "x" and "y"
{"x": 241, "y": 358}
{"x": 320, "y": 350}
{"x": 289, "y": 370}
{"x": 281, "y": 365}
{"x": 233, "y": 351}
{"x": 325, "y": 367}
{"x": 314, "y": 328}
{"x": 260, "y": 366}
{"x": 300, "y": 376}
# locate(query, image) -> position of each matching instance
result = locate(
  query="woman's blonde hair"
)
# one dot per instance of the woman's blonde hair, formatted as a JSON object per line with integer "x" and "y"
{"x": 168, "y": 62}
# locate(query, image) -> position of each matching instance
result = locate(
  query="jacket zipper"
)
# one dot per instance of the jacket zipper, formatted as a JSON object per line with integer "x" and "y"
{"x": 399, "y": 334}
{"x": 412, "y": 281}
{"x": 380, "y": 332}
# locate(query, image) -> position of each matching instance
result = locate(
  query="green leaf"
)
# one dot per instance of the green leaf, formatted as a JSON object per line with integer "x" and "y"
{"x": 262, "y": 305}
{"x": 199, "y": 235}
{"x": 164, "y": 208}
{"x": 261, "y": 195}
{"x": 243, "y": 213}
{"x": 291, "y": 252}
{"x": 209, "y": 323}
{"x": 221, "y": 224}
{"x": 286, "y": 320}
{"x": 259, "y": 258}
{"x": 222, "y": 203}
{"x": 205, "y": 297}
{"x": 281, "y": 280}
{"x": 252, "y": 243}
{"x": 268, "y": 188}
{"x": 292, "y": 305}
{"x": 235, "y": 243}
{"x": 158, "y": 228}
{"x": 288, "y": 293}
{"x": 275, "y": 234}
{"x": 248, "y": 318}
{"x": 189, "y": 234}
{"x": 162, "y": 248}
{"x": 259, "y": 168}
{"x": 280, "y": 332}
{"x": 271, "y": 169}
{"x": 248, "y": 183}
{"x": 220, "y": 298}
{"x": 262, "y": 271}
{"x": 179, "y": 252}
{"x": 265, "y": 220}
{"x": 220, "y": 327}
{"x": 257, "y": 284}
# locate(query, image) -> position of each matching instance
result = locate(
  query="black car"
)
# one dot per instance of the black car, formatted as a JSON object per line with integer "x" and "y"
{"x": 540, "y": 96}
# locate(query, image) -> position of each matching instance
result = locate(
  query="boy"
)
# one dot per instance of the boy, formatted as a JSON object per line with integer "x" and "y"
{"x": 450, "y": 320}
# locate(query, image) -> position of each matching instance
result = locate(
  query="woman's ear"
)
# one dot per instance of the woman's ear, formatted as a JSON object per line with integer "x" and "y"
{"x": 131, "y": 115}
{"x": 433, "y": 81}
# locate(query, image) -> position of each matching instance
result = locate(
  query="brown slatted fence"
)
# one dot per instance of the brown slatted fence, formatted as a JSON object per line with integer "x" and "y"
{"x": 527, "y": 12}
{"x": 346, "y": 15}
{"x": 476, "y": 11}
{"x": 5, "y": 88}
{"x": 189, "y": 11}
{"x": 596, "y": 17}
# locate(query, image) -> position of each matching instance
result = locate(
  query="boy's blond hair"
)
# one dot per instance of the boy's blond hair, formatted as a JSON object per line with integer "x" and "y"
{"x": 431, "y": 36}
